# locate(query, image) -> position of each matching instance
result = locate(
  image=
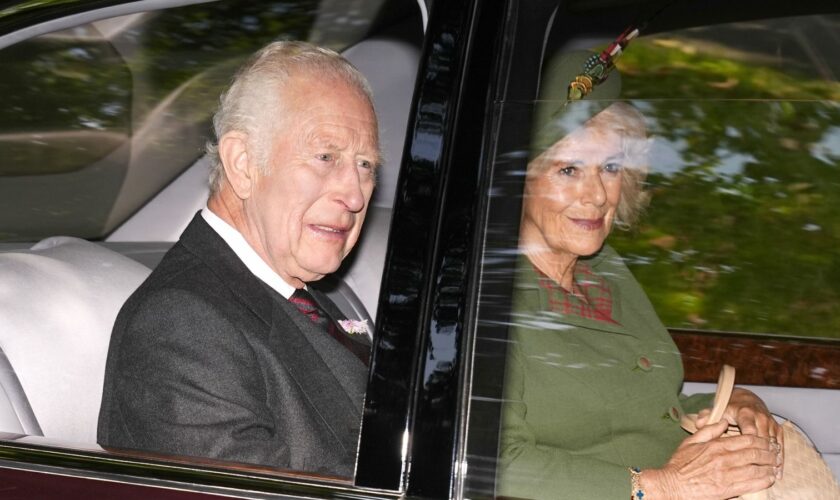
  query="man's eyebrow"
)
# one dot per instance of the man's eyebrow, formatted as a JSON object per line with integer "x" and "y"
{"x": 321, "y": 141}
{"x": 378, "y": 160}
{"x": 374, "y": 155}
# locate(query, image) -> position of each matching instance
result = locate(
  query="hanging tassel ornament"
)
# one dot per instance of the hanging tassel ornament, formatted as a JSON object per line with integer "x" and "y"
{"x": 597, "y": 68}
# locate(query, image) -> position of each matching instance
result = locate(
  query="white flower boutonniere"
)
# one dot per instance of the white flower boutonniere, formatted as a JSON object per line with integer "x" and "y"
{"x": 355, "y": 326}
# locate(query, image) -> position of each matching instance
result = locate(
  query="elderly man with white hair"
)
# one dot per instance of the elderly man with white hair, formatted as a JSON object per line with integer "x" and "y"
{"x": 224, "y": 352}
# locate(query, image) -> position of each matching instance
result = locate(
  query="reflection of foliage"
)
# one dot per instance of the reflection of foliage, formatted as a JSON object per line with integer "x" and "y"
{"x": 38, "y": 121}
{"x": 75, "y": 80}
{"x": 672, "y": 68}
{"x": 180, "y": 43}
{"x": 31, "y": 4}
{"x": 133, "y": 94}
{"x": 743, "y": 232}
{"x": 34, "y": 70}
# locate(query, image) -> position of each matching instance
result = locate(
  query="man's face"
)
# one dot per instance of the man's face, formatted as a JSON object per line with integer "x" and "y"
{"x": 305, "y": 216}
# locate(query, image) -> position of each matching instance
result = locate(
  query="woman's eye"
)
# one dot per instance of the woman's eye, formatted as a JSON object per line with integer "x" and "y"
{"x": 324, "y": 156}
{"x": 568, "y": 171}
{"x": 365, "y": 164}
{"x": 612, "y": 167}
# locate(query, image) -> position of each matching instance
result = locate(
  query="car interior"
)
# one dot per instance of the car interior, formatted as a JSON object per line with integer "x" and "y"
{"x": 813, "y": 410}
{"x": 52, "y": 359}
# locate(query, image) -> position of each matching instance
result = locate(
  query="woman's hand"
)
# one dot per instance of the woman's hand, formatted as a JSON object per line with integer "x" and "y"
{"x": 750, "y": 414}
{"x": 709, "y": 466}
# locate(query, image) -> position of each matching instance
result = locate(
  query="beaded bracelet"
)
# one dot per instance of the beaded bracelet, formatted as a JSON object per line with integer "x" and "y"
{"x": 637, "y": 493}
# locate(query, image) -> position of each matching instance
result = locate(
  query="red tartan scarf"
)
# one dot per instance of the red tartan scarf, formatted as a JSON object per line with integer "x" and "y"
{"x": 589, "y": 298}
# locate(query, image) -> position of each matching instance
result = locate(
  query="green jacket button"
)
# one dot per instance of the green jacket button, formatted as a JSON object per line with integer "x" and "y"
{"x": 644, "y": 363}
{"x": 674, "y": 413}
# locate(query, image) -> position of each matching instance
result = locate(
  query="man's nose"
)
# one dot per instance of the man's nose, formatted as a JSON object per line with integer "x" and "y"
{"x": 349, "y": 188}
{"x": 594, "y": 191}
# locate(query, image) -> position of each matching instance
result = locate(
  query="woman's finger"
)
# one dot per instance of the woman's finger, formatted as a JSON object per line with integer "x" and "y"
{"x": 708, "y": 433}
{"x": 749, "y": 413}
{"x": 722, "y": 467}
{"x": 750, "y": 479}
{"x": 779, "y": 437}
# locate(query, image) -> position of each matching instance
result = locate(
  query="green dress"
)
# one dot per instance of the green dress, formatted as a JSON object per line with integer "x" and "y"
{"x": 584, "y": 399}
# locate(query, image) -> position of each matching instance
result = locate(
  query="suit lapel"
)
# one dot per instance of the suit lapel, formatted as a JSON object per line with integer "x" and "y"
{"x": 200, "y": 239}
{"x": 334, "y": 314}
{"x": 331, "y": 378}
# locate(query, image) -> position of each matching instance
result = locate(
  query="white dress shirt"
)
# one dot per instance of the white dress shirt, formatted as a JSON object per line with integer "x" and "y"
{"x": 246, "y": 254}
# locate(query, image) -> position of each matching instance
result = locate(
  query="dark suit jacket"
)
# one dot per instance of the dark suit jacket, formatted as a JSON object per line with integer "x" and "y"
{"x": 206, "y": 360}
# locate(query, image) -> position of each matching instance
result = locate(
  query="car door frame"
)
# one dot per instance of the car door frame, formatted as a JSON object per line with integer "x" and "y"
{"x": 410, "y": 425}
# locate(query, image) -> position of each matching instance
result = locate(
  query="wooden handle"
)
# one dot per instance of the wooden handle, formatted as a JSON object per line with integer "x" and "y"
{"x": 726, "y": 382}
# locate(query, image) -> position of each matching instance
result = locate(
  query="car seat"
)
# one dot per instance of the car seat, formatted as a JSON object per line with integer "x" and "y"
{"x": 53, "y": 362}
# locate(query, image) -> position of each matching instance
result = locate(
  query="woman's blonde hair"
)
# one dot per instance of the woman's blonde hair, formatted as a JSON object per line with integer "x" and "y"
{"x": 626, "y": 121}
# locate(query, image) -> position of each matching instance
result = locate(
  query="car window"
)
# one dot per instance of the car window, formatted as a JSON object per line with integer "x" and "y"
{"x": 742, "y": 149}
{"x": 101, "y": 116}
{"x": 741, "y": 234}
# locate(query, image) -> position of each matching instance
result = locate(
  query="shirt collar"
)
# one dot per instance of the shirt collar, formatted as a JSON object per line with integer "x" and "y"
{"x": 246, "y": 254}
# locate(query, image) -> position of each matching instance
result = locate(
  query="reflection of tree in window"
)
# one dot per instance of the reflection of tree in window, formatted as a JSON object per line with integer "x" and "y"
{"x": 68, "y": 103}
{"x": 742, "y": 232}
{"x": 123, "y": 105}
{"x": 176, "y": 45}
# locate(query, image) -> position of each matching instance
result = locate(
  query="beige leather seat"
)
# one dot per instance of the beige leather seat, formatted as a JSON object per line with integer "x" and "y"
{"x": 58, "y": 302}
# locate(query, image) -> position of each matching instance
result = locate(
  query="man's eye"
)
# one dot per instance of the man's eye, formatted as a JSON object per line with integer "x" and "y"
{"x": 365, "y": 164}
{"x": 324, "y": 156}
{"x": 568, "y": 171}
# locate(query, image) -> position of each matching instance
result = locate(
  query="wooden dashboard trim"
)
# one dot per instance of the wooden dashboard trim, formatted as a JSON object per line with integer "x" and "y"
{"x": 760, "y": 359}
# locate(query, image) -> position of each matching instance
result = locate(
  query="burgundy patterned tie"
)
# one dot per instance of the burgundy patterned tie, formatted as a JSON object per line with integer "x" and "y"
{"x": 306, "y": 304}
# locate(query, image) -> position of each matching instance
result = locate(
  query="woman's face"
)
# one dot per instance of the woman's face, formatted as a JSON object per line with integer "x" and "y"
{"x": 572, "y": 193}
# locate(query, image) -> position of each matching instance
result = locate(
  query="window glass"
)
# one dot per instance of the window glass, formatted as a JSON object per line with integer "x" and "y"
{"x": 742, "y": 232}
{"x": 99, "y": 117}
{"x": 741, "y": 152}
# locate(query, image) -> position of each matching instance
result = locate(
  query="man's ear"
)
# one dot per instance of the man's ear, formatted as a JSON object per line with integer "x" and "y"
{"x": 235, "y": 157}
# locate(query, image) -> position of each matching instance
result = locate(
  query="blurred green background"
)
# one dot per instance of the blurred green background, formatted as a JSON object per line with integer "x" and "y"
{"x": 743, "y": 230}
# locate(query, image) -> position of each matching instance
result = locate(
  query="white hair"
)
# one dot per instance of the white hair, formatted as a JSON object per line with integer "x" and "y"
{"x": 253, "y": 105}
